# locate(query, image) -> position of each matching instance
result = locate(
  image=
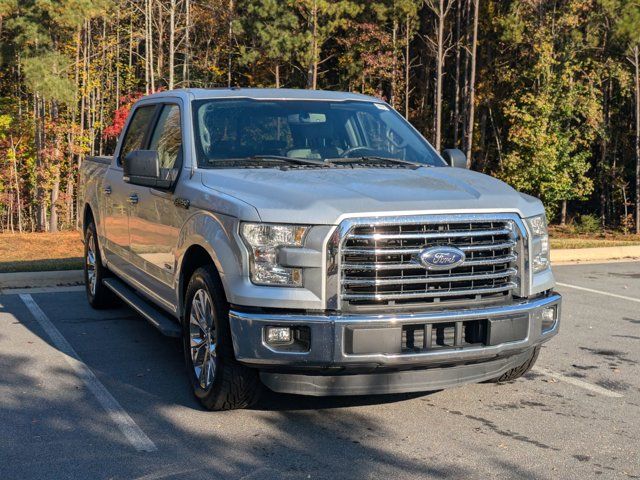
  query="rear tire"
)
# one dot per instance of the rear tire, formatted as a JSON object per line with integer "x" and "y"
{"x": 518, "y": 371}
{"x": 218, "y": 380}
{"x": 98, "y": 295}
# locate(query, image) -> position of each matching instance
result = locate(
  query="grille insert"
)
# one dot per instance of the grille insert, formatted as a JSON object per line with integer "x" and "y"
{"x": 379, "y": 265}
{"x": 443, "y": 336}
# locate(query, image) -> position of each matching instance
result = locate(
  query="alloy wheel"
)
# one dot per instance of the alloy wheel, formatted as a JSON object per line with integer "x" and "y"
{"x": 202, "y": 336}
{"x": 91, "y": 264}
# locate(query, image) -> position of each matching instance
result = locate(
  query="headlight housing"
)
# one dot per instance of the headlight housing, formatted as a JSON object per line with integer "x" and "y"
{"x": 263, "y": 241}
{"x": 539, "y": 243}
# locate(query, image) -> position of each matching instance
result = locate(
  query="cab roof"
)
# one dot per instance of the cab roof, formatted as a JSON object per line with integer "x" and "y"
{"x": 263, "y": 94}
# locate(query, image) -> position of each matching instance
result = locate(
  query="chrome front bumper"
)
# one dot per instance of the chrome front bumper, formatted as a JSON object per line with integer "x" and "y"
{"x": 331, "y": 337}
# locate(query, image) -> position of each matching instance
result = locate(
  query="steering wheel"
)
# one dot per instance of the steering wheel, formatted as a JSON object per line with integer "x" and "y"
{"x": 361, "y": 151}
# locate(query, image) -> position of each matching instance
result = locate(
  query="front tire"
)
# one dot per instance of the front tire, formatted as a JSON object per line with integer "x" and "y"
{"x": 98, "y": 295}
{"x": 218, "y": 380}
{"x": 518, "y": 371}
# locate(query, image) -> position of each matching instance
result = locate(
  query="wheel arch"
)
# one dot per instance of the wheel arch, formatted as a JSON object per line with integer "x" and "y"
{"x": 195, "y": 256}
{"x": 87, "y": 215}
{"x": 206, "y": 239}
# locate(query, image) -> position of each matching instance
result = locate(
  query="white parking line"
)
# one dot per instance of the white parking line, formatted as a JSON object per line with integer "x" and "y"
{"x": 577, "y": 383}
{"x": 591, "y": 290}
{"x": 125, "y": 423}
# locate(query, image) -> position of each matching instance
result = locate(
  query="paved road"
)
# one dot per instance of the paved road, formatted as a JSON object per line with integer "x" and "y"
{"x": 576, "y": 416}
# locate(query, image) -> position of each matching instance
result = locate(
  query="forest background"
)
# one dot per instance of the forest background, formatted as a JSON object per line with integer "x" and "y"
{"x": 543, "y": 94}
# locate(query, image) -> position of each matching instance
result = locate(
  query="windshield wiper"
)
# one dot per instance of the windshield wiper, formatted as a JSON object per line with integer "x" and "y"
{"x": 374, "y": 158}
{"x": 301, "y": 161}
{"x": 264, "y": 161}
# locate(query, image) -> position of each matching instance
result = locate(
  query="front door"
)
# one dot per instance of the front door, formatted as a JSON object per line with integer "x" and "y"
{"x": 115, "y": 192}
{"x": 154, "y": 221}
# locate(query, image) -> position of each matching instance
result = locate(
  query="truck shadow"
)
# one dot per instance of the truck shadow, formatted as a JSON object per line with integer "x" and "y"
{"x": 45, "y": 408}
{"x": 272, "y": 401}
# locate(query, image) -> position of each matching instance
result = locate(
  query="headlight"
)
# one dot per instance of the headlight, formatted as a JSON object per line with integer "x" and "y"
{"x": 539, "y": 242}
{"x": 263, "y": 240}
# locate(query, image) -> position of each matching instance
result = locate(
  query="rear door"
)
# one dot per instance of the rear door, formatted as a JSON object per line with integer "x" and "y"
{"x": 116, "y": 193}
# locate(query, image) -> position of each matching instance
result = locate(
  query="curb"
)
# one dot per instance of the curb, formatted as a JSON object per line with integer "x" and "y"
{"x": 595, "y": 255}
{"x": 66, "y": 278}
{"x": 41, "y": 279}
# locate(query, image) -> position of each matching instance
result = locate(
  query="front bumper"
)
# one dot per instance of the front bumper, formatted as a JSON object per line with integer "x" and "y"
{"x": 342, "y": 344}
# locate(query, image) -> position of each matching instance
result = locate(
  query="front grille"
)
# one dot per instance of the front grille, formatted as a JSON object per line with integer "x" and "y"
{"x": 379, "y": 265}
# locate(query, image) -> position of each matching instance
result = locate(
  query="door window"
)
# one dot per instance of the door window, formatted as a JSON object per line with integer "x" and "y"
{"x": 167, "y": 141}
{"x": 136, "y": 133}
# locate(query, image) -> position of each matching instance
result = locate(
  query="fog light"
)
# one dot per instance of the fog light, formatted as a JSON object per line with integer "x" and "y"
{"x": 548, "y": 318}
{"x": 279, "y": 335}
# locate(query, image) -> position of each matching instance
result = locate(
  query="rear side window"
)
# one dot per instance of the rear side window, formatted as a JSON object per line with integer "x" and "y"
{"x": 135, "y": 136}
{"x": 167, "y": 141}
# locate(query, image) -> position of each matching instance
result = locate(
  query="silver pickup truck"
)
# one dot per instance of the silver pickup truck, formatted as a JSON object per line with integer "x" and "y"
{"x": 314, "y": 243}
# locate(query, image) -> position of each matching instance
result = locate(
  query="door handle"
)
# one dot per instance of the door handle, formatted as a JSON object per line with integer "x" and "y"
{"x": 107, "y": 190}
{"x": 133, "y": 199}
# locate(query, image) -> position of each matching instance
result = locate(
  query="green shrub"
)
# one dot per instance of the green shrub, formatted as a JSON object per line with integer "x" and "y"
{"x": 588, "y": 223}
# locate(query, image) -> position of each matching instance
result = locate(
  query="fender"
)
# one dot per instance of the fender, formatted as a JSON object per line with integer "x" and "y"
{"x": 217, "y": 235}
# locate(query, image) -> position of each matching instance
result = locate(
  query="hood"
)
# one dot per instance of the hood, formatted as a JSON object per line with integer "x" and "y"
{"x": 325, "y": 196}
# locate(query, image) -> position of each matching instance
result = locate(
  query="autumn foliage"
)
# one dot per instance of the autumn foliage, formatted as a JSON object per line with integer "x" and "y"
{"x": 549, "y": 102}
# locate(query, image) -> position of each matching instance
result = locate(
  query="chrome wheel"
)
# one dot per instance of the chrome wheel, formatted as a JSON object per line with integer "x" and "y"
{"x": 202, "y": 336}
{"x": 91, "y": 264}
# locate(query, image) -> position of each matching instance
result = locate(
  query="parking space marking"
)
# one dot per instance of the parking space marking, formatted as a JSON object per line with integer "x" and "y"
{"x": 577, "y": 383}
{"x": 59, "y": 289}
{"x": 120, "y": 417}
{"x": 600, "y": 292}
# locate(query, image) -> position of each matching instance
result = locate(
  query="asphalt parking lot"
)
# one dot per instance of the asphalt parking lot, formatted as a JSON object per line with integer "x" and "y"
{"x": 100, "y": 394}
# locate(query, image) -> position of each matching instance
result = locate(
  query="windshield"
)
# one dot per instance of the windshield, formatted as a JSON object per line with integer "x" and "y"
{"x": 304, "y": 130}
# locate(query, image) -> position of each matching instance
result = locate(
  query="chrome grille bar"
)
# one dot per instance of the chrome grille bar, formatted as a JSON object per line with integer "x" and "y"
{"x": 413, "y": 251}
{"x": 509, "y": 272}
{"x": 379, "y": 260}
{"x": 429, "y": 294}
{"x": 415, "y": 266}
{"x": 431, "y": 235}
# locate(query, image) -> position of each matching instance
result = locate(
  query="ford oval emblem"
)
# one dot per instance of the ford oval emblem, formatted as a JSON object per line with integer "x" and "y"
{"x": 441, "y": 258}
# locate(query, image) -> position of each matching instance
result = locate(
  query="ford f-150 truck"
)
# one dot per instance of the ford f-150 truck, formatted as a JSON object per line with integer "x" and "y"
{"x": 314, "y": 243}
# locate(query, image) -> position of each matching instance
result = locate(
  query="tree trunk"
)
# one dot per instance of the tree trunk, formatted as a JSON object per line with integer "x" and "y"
{"x": 439, "y": 73}
{"x": 131, "y": 41}
{"x": 407, "y": 67}
{"x": 147, "y": 76}
{"x": 160, "y": 42}
{"x": 394, "y": 64}
{"x": 41, "y": 212}
{"x": 14, "y": 153}
{"x": 312, "y": 71}
{"x": 172, "y": 41}
{"x": 563, "y": 213}
{"x": 277, "y": 75}
{"x": 117, "y": 94}
{"x": 636, "y": 60}
{"x": 187, "y": 44}
{"x": 149, "y": 63}
{"x": 230, "y": 44}
{"x": 456, "y": 102}
{"x": 53, "y": 216}
{"x": 472, "y": 83}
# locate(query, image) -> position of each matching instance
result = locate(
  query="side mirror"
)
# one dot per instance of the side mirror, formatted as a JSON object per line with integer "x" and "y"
{"x": 141, "y": 167}
{"x": 455, "y": 158}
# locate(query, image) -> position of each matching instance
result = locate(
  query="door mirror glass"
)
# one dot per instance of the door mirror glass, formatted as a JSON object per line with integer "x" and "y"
{"x": 455, "y": 158}
{"x": 141, "y": 167}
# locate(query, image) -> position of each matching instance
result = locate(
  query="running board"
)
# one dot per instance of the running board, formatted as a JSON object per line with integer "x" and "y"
{"x": 162, "y": 321}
